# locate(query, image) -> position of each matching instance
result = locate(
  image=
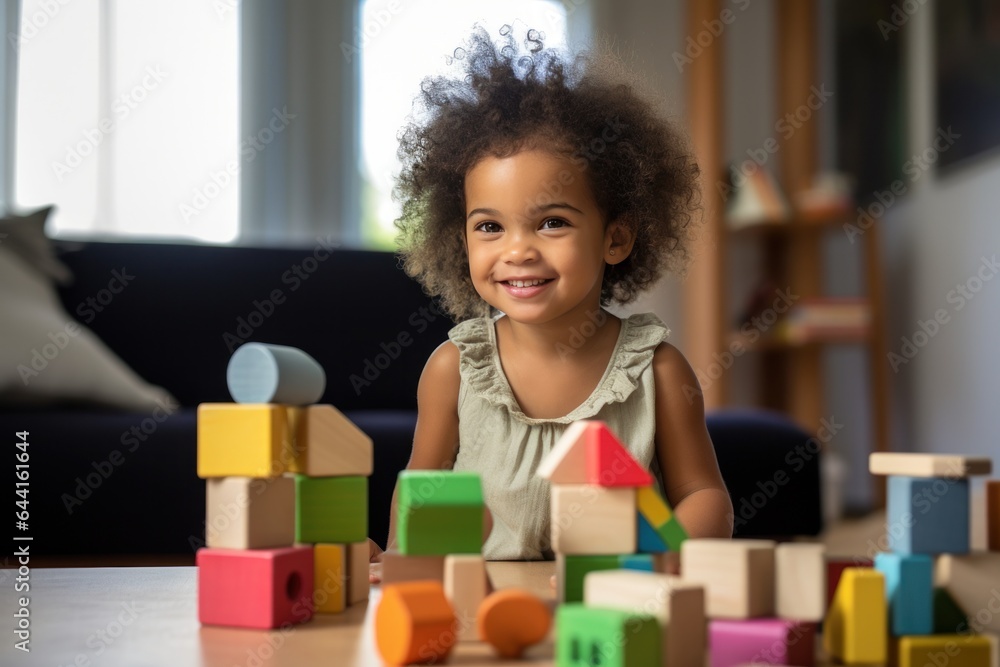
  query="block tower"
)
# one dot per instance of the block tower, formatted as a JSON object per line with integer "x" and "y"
{"x": 287, "y": 496}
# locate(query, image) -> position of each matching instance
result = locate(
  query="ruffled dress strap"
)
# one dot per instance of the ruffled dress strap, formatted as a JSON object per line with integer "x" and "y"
{"x": 482, "y": 373}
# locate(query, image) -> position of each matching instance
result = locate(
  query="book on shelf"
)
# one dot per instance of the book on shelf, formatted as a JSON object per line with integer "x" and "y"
{"x": 817, "y": 318}
{"x": 755, "y": 199}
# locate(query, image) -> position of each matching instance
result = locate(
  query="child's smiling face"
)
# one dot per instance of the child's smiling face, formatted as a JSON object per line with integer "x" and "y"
{"x": 532, "y": 217}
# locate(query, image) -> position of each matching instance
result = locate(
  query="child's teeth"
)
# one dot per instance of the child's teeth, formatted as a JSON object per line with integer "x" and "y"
{"x": 525, "y": 283}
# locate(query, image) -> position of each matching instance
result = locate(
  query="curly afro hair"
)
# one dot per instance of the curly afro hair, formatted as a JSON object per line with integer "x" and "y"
{"x": 640, "y": 169}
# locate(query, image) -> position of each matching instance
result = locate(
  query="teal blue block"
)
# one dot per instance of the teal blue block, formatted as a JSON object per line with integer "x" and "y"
{"x": 909, "y": 591}
{"x": 649, "y": 540}
{"x": 598, "y": 637}
{"x": 440, "y": 512}
{"x": 641, "y": 562}
{"x": 928, "y": 515}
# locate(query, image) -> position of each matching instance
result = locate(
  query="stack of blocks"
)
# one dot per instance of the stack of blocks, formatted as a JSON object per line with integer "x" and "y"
{"x": 925, "y": 598}
{"x": 287, "y": 496}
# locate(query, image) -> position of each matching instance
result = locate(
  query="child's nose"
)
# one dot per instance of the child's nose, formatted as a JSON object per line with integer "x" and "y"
{"x": 520, "y": 247}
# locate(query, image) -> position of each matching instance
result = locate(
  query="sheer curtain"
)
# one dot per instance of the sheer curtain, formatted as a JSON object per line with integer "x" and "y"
{"x": 9, "y": 19}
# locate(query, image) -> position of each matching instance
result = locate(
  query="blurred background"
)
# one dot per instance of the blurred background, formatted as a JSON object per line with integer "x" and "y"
{"x": 849, "y": 151}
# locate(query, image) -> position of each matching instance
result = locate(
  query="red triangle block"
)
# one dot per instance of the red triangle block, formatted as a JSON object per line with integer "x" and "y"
{"x": 609, "y": 463}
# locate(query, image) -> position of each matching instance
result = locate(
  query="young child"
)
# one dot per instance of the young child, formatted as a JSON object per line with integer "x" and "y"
{"x": 544, "y": 190}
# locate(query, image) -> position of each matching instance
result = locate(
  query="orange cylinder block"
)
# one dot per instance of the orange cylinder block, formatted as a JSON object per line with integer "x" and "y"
{"x": 414, "y": 623}
{"x": 511, "y": 620}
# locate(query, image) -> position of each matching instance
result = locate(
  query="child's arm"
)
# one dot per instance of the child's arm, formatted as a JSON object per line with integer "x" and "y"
{"x": 690, "y": 470}
{"x": 435, "y": 440}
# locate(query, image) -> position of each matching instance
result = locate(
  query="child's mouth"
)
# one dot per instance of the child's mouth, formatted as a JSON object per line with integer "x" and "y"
{"x": 525, "y": 288}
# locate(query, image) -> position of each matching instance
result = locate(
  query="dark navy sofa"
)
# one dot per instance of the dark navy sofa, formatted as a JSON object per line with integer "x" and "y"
{"x": 109, "y": 482}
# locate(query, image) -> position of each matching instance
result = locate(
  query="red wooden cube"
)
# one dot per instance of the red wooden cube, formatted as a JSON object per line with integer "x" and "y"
{"x": 255, "y": 588}
{"x": 771, "y": 641}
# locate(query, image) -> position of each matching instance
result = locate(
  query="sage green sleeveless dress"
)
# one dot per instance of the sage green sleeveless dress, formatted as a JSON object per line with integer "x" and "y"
{"x": 505, "y": 446}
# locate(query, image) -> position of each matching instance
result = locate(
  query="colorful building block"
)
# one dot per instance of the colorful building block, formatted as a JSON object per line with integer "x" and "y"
{"x": 972, "y": 582}
{"x": 589, "y": 453}
{"x": 649, "y": 541}
{"x": 414, "y": 623}
{"x": 328, "y": 444}
{"x": 993, "y": 514}
{"x": 570, "y": 571}
{"x": 909, "y": 590}
{"x": 678, "y": 606}
{"x": 333, "y": 510}
{"x": 949, "y": 618}
{"x": 249, "y": 513}
{"x": 266, "y": 373}
{"x": 397, "y": 567}
{"x": 928, "y": 465}
{"x": 855, "y": 629}
{"x": 512, "y": 620}
{"x": 800, "y": 581}
{"x": 738, "y": 575}
{"x": 930, "y": 515}
{"x": 587, "y": 636}
{"x": 951, "y": 650}
{"x": 588, "y": 519}
{"x": 638, "y": 562}
{"x": 242, "y": 440}
{"x": 255, "y": 588}
{"x": 657, "y": 512}
{"x": 330, "y": 578}
{"x": 835, "y": 567}
{"x": 440, "y": 512}
{"x": 357, "y": 572}
{"x": 756, "y": 641}
{"x": 465, "y": 586}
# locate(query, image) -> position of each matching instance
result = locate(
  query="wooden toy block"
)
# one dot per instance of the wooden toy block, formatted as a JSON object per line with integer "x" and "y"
{"x": 949, "y": 618}
{"x": 397, "y": 567}
{"x": 855, "y": 629}
{"x": 570, "y": 571}
{"x": 328, "y": 444}
{"x": 588, "y": 519}
{"x": 738, "y": 575}
{"x": 249, "y": 513}
{"x": 678, "y": 606}
{"x": 972, "y": 582}
{"x": 242, "y": 440}
{"x": 800, "y": 581}
{"x": 465, "y": 586}
{"x": 638, "y": 562}
{"x": 588, "y": 636}
{"x": 329, "y": 578}
{"x": 928, "y": 515}
{"x": 835, "y": 568}
{"x": 909, "y": 590}
{"x": 649, "y": 541}
{"x": 265, "y": 373}
{"x": 994, "y": 641}
{"x": 512, "y": 620}
{"x": 769, "y": 641}
{"x": 589, "y": 453}
{"x": 950, "y": 650}
{"x": 331, "y": 509}
{"x": 440, "y": 512}
{"x": 657, "y": 512}
{"x": 928, "y": 465}
{"x": 357, "y": 572}
{"x": 414, "y": 623}
{"x": 255, "y": 588}
{"x": 993, "y": 514}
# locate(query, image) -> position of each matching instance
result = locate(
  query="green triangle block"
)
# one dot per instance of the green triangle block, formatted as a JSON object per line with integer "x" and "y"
{"x": 673, "y": 534}
{"x": 440, "y": 512}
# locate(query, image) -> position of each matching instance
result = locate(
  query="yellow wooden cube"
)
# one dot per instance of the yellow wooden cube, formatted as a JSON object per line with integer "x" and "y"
{"x": 950, "y": 650}
{"x": 242, "y": 440}
{"x": 330, "y": 595}
{"x": 855, "y": 631}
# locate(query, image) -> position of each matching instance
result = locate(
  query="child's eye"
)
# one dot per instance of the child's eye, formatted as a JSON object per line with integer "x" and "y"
{"x": 555, "y": 223}
{"x": 488, "y": 227}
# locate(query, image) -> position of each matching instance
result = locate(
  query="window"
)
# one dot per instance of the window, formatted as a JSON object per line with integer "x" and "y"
{"x": 400, "y": 44}
{"x": 127, "y": 117}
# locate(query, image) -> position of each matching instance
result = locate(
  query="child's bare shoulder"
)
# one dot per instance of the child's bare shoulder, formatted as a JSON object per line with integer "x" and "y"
{"x": 442, "y": 366}
{"x": 671, "y": 367}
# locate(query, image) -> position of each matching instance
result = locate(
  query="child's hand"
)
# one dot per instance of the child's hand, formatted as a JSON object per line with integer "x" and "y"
{"x": 374, "y": 562}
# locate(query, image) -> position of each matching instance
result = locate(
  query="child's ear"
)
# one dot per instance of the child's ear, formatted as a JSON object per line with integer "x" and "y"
{"x": 618, "y": 241}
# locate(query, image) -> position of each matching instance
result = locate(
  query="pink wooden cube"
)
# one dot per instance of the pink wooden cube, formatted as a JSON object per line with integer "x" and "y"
{"x": 255, "y": 588}
{"x": 772, "y": 641}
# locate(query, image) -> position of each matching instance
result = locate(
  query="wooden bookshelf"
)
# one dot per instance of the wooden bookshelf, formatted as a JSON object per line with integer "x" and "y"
{"x": 793, "y": 381}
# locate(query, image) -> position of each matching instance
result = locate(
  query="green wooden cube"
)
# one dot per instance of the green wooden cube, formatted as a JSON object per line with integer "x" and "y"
{"x": 588, "y": 636}
{"x": 440, "y": 512}
{"x": 332, "y": 510}
{"x": 572, "y": 570}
